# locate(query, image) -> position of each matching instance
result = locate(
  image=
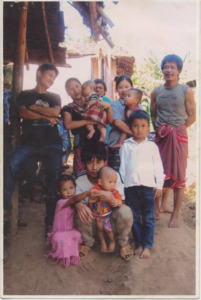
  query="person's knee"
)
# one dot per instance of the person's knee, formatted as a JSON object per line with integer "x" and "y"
{"x": 125, "y": 213}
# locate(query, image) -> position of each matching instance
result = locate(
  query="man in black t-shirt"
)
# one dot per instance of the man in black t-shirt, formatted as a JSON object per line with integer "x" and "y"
{"x": 39, "y": 111}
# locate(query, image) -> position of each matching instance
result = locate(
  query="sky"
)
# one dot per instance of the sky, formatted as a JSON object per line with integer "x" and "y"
{"x": 146, "y": 27}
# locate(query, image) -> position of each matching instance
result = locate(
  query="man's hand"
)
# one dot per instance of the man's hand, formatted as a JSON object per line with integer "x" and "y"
{"x": 53, "y": 121}
{"x": 84, "y": 213}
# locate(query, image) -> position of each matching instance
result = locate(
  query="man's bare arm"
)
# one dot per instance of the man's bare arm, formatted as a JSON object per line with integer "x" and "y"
{"x": 52, "y": 112}
{"x": 153, "y": 109}
{"x": 190, "y": 108}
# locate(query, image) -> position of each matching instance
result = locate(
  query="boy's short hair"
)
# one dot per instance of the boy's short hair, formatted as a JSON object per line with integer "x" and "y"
{"x": 46, "y": 67}
{"x": 138, "y": 114}
{"x": 101, "y": 82}
{"x": 93, "y": 150}
{"x": 137, "y": 92}
{"x": 90, "y": 83}
{"x": 172, "y": 58}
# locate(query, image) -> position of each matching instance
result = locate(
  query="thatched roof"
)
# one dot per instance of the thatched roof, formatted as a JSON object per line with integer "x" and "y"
{"x": 37, "y": 47}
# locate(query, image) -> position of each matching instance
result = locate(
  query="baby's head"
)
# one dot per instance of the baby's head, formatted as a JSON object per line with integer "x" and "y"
{"x": 66, "y": 186}
{"x": 88, "y": 87}
{"x": 107, "y": 178}
{"x": 132, "y": 97}
{"x": 139, "y": 124}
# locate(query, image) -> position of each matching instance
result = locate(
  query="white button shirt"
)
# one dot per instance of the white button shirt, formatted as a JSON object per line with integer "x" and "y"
{"x": 141, "y": 164}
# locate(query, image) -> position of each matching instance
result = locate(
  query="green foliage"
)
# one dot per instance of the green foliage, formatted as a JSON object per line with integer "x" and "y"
{"x": 149, "y": 75}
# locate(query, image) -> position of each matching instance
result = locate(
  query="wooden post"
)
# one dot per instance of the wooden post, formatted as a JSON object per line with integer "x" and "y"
{"x": 47, "y": 33}
{"x": 17, "y": 87}
{"x": 93, "y": 15}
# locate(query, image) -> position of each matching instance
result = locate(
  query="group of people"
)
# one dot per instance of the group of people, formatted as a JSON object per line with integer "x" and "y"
{"x": 119, "y": 172}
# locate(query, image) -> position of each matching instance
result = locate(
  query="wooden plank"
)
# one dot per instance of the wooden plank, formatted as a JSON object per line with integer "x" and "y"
{"x": 17, "y": 87}
{"x": 47, "y": 33}
{"x": 93, "y": 15}
{"x": 14, "y": 214}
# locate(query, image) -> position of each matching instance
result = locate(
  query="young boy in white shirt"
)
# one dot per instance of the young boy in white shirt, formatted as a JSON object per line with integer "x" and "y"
{"x": 141, "y": 170}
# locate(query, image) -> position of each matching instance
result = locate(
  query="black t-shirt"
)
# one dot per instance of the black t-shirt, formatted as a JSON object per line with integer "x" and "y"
{"x": 40, "y": 131}
{"x": 80, "y": 134}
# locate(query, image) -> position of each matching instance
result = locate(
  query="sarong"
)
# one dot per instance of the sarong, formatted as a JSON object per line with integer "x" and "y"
{"x": 173, "y": 147}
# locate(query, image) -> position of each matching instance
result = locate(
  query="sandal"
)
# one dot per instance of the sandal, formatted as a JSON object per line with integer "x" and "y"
{"x": 126, "y": 252}
{"x": 84, "y": 249}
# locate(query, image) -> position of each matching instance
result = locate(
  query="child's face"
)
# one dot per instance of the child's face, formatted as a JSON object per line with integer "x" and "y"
{"x": 123, "y": 87}
{"x": 130, "y": 99}
{"x": 67, "y": 189}
{"x": 86, "y": 90}
{"x": 108, "y": 182}
{"x": 140, "y": 129}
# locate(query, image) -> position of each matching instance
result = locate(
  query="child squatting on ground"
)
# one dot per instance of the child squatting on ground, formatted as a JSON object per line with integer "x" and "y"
{"x": 107, "y": 179}
{"x": 64, "y": 239}
{"x": 97, "y": 110}
{"x": 142, "y": 173}
{"x": 131, "y": 100}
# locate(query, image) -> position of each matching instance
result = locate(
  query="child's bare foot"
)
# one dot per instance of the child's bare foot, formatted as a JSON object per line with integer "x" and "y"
{"x": 174, "y": 222}
{"x": 90, "y": 135}
{"x": 164, "y": 209}
{"x": 102, "y": 138}
{"x": 111, "y": 247}
{"x": 146, "y": 253}
{"x": 138, "y": 251}
{"x": 115, "y": 147}
{"x": 157, "y": 215}
{"x": 103, "y": 247}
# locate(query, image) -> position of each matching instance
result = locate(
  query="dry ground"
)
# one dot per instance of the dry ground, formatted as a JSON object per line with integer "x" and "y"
{"x": 170, "y": 271}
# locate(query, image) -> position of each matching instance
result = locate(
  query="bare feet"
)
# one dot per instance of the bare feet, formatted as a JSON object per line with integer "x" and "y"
{"x": 115, "y": 147}
{"x": 138, "y": 251}
{"x": 146, "y": 253}
{"x": 174, "y": 222}
{"x": 111, "y": 247}
{"x": 90, "y": 135}
{"x": 102, "y": 138}
{"x": 157, "y": 215}
{"x": 165, "y": 210}
{"x": 103, "y": 247}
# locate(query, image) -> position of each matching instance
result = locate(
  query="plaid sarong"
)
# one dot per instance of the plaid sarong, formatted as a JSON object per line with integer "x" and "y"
{"x": 93, "y": 113}
{"x": 173, "y": 146}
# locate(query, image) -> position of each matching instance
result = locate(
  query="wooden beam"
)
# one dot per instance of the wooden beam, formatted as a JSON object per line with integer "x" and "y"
{"x": 17, "y": 87}
{"x": 18, "y": 73}
{"x": 103, "y": 14}
{"x": 93, "y": 15}
{"x": 106, "y": 37}
{"x": 47, "y": 33}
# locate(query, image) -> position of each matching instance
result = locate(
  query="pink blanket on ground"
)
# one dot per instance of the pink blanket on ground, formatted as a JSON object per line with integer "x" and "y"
{"x": 173, "y": 146}
{"x": 64, "y": 239}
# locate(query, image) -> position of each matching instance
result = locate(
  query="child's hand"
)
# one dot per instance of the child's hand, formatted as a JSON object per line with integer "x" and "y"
{"x": 157, "y": 193}
{"x": 93, "y": 195}
{"x": 92, "y": 102}
{"x": 103, "y": 105}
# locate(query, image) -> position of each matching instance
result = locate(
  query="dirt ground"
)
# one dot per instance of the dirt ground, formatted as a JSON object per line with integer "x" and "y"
{"x": 170, "y": 271}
